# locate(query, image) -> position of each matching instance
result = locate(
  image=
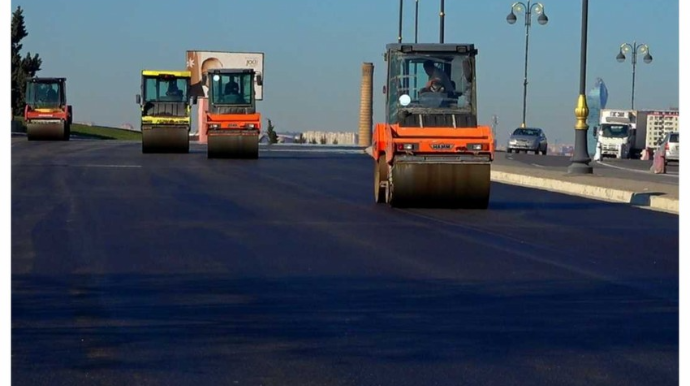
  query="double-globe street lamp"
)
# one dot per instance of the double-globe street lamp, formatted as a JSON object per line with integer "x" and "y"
{"x": 528, "y": 9}
{"x": 635, "y": 49}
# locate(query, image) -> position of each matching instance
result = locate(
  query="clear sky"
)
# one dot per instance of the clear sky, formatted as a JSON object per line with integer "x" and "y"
{"x": 314, "y": 50}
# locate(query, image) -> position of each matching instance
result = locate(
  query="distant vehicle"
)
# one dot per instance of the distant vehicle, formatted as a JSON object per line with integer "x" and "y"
{"x": 528, "y": 139}
{"x": 166, "y": 115}
{"x": 671, "y": 145}
{"x": 46, "y": 112}
{"x": 233, "y": 123}
{"x": 617, "y": 135}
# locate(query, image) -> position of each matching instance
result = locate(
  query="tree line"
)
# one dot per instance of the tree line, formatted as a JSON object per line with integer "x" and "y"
{"x": 24, "y": 67}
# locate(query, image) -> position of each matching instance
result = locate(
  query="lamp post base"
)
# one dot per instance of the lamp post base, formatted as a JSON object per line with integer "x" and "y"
{"x": 580, "y": 161}
{"x": 580, "y": 168}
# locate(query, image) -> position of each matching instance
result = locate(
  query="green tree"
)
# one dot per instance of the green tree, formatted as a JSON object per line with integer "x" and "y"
{"x": 312, "y": 141}
{"x": 335, "y": 141}
{"x": 272, "y": 135}
{"x": 323, "y": 140}
{"x": 21, "y": 68}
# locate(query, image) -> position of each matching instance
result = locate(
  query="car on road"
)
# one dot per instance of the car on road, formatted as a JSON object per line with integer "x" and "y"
{"x": 528, "y": 139}
{"x": 671, "y": 145}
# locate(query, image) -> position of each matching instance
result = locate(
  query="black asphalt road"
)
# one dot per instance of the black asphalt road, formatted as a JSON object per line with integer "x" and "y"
{"x": 610, "y": 167}
{"x": 131, "y": 269}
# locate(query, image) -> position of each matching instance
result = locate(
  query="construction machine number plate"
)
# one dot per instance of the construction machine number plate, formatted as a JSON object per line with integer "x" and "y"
{"x": 44, "y": 121}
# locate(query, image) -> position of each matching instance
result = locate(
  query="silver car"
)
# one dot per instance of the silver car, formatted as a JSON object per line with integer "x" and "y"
{"x": 528, "y": 139}
{"x": 672, "y": 147}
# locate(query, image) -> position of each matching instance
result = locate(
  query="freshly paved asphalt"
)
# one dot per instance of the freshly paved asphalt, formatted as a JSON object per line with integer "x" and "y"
{"x": 132, "y": 269}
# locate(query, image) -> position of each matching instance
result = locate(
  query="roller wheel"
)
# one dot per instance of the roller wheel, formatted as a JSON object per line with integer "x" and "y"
{"x": 165, "y": 140}
{"x": 47, "y": 132}
{"x": 233, "y": 146}
{"x": 380, "y": 175}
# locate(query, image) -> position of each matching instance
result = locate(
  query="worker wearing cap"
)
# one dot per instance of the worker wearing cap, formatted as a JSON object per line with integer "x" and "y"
{"x": 437, "y": 78}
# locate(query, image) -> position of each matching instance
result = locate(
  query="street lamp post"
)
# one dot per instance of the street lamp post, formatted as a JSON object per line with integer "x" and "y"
{"x": 537, "y": 8}
{"x": 579, "y": 163}
{"x": 634, "y": 49}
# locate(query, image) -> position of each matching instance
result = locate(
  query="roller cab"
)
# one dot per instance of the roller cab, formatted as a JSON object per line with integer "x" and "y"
{"x": 165, "y": 111}
{"x": 233, "y": 124}
{"x": 431, "y": 152}
{"x": 47, "y": 115}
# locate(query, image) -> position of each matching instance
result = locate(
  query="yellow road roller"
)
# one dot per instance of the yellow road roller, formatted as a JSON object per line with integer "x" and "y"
{"x": 165, "y": 111}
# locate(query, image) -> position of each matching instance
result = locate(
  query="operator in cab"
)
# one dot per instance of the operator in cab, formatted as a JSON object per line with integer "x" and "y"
{"x": 232, "y": 94}
{"x": 173, "y": 91}
{"x": 438, "y": 79}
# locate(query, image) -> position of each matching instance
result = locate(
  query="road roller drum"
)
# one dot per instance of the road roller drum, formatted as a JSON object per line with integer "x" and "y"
{"x": 448, "y": 185}
{"x": 159, "y": 139}
{"x": 54, "y": 131}
{"x": 230, "y": 144}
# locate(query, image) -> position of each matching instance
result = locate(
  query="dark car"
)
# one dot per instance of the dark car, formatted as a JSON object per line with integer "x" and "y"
{"x": 528, "y": 139}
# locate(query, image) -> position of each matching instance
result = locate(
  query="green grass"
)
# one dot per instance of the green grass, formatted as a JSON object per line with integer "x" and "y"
{"x": 99, "y": 132}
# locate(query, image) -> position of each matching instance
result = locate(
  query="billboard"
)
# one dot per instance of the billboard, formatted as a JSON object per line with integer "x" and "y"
{"x": 199, "y": 62}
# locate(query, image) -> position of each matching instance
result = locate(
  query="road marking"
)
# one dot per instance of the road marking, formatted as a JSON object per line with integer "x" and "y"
{"x": 333, "y": 151}
{"x": 110, "y": 166}
{"x": 537, "y": 165}
{"x": 675, "y": 175}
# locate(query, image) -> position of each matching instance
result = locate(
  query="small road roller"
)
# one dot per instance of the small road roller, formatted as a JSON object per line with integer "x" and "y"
{"x": 47, "y": 115}
{"x": 233, "y": 125}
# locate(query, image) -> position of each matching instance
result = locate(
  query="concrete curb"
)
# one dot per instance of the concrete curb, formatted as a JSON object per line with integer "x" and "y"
{"x": 642, "y": 199}
{"x": 665, "y": 204}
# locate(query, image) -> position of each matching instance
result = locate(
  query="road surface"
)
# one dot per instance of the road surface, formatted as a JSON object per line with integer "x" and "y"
{"x": 132, "y": 269}
{"x": 616, "y": 168}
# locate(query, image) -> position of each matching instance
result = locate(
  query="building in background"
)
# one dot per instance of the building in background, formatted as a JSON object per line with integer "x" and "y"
{"x": 331, "y": 138}
{"x": 657, "y": 124}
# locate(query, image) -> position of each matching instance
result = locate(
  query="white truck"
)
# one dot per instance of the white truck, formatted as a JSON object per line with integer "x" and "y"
{"x": 617, "y": 134}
